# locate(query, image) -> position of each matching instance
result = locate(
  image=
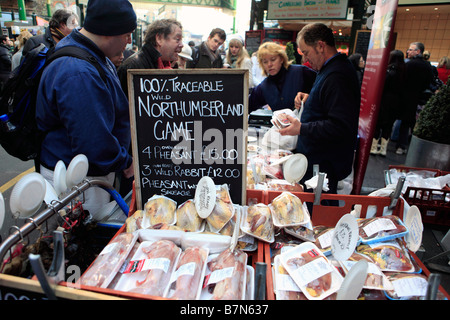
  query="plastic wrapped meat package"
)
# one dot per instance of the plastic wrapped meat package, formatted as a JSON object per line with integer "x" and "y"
{"x": 187, "y": 278}
{"x": 305, "y": 232}
{"x": 223, "y": 210}
{"x": 312, "y": 271}
{"x": 288, "y": 210}
{"x": 257, "y": 222}
{"x": 188, "y": 218}
{"x": 107, "y": 264}
{"x": 388, "y": 256}
{"x": 150, "y": 269}
{"x": 284, "y": 286}
{"x": 323, "y": 236}
{"x": 226, "y": 276}
{"x": 159, "y": 209}
{"x": 409, "y": 286}
{"x": 134, "y": 222}
{"x": 376, "y": 279}
{"x": 380, "y": 229}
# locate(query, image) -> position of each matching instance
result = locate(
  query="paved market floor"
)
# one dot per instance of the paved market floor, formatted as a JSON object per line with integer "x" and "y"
{"x": 432, "y": 236}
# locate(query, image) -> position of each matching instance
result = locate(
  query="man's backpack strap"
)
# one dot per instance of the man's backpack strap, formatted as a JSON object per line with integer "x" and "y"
{"x": 77, "y": 52}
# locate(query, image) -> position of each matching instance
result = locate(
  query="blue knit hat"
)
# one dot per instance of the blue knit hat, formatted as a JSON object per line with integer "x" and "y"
{"x": 110, "y": 17}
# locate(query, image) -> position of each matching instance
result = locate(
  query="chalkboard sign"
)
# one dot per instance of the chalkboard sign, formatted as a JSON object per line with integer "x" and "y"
{"x": 186, "y": 124}
{"x": 362, "y": 41}
{"x": 253, "y": 39}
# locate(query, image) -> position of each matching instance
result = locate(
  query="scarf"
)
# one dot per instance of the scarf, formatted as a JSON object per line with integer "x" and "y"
{"x": 163, "y": 64}
{"x": 233, "y": 62}
{"x": 57, "y": 34}
{"x": 212, "y": 55}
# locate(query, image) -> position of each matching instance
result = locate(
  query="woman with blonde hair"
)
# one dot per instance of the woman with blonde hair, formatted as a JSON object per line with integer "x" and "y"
{"x": 237, "y": 57}
{"x": 17, "y": 57}
{"x": 284, "y": 80}
{"x": 443, "y": 69}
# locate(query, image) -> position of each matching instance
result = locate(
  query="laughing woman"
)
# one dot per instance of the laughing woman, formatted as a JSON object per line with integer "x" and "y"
{"x": 284, "y": 80}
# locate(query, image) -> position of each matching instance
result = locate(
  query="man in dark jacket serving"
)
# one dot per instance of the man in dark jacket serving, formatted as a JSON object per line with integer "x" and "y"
{"x": 329, "y": 123}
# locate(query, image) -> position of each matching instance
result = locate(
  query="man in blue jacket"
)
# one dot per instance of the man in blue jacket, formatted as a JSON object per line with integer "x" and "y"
{"x": 328, "y": 127}
{"x": 80, "y": 112}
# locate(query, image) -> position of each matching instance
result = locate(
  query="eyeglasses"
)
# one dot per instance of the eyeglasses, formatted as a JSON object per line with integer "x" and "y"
{"x": 412, "y": 50}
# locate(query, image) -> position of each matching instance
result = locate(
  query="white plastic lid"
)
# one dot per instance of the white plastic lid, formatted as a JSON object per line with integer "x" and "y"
{"x": 205, "y": 197}
{"x": 77, "y": 170}
{"x": 413, "y": 221}
{"x": 2, "y": 210}
{"x": 59, "y": 177}
{"x": 295, "y": 168}
{"x": 353, "y": 282}
{"x": 345, "y": 237}
{"x": 27, "y": 195}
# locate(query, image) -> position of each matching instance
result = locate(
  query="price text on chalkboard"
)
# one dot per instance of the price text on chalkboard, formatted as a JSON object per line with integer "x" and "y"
{"x": 186, "y": 124}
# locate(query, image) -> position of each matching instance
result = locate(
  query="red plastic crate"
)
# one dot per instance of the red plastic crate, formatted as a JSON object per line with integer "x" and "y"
{"x": 434, "y": 204}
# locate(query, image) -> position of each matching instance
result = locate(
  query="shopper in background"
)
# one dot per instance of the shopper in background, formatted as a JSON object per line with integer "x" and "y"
{"x": 443, "y": 69}
{"x": 22, "y": 39}
{"x": 284, "y": 80}
{"x": 237, "y": 58}
{"x": 418, "y": 79}
{"x": 328, "y": 127}
{"x": 61, "y": 24}
{"x": 208, "y": 54}
{"x": 162, "y": 44}
{"x": 358, "y": 63}
{"x": 79, "y": 111}
{"x": 5, "y": 59}
{"x": 391, "y": 100}
{"x": 129, "y": 52}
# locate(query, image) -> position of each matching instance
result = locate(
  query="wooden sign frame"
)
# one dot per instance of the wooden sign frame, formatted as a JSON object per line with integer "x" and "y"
{"x": 212, "y": 97}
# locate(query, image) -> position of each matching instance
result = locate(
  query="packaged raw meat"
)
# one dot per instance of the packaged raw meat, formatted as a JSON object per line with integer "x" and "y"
{"x": 159, "y": 209}
{"x": 284, "y": 286}
{"x": 311, "y": 271}
{"x": 226, "y": 280}
{"x": 151, "y": 267}
{"x": 188, "y": 218}
{"x": 165, "y": 226}
{"x": 223, "y": 210}
{"x": 283, "y": 185}
{"x": 134, "y": 222}
{"x": 323, "y": 237}
{"x": 388, "y": 256}
{"x": 304, "y": 232}
{"x": 376, "y": 280}
{"x": 107, "y": 264}
{"x": 409, "y": 286}
{"x": 186, "y": 281}
{"x": 380, "y": 229}
{"x": 288, "y": 210}
{"x": 257, "y": 222}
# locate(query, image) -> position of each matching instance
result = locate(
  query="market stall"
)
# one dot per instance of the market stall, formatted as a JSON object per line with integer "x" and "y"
{"x": 206, "y": 219}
